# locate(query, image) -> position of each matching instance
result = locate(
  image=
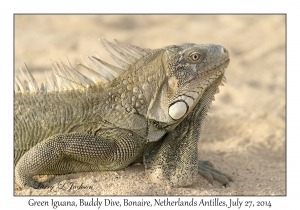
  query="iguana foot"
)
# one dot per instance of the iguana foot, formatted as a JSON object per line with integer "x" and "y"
{"x": 207, "y": 171}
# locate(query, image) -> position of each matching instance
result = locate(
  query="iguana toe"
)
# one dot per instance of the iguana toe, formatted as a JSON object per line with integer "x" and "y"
{"x": 206, "y": 170}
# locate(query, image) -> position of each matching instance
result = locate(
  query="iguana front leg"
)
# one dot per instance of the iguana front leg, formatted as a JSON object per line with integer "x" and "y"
{"x": 76, "y": 152}
{"x": 174, "y": 160}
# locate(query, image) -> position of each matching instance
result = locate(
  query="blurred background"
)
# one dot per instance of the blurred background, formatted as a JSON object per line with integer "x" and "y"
{"x": 245, "y": 133}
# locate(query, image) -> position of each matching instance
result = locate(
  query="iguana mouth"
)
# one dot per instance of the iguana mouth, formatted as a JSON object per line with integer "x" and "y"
{"x": 203, "y": 73}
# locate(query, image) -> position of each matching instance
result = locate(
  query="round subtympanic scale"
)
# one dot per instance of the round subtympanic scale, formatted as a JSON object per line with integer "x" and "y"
{"x": 177, "y": 110}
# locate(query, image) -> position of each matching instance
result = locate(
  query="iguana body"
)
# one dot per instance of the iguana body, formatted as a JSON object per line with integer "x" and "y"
{"x": 149, "y": 111}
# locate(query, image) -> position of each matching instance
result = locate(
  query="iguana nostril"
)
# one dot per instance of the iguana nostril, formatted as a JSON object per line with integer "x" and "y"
{"x": 226, "y": 51}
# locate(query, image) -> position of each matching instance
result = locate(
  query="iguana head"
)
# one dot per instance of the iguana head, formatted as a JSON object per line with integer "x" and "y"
{"x": 190, "y": 70}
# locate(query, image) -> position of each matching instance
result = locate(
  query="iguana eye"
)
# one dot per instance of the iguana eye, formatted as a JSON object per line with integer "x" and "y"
{"x": 195, "y": 56}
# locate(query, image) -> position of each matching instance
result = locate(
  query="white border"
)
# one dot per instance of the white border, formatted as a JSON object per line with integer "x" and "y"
{"x": 6, "y": 85}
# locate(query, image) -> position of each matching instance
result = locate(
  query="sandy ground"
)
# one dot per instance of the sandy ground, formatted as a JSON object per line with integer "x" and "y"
{"x": 245, "y": 133}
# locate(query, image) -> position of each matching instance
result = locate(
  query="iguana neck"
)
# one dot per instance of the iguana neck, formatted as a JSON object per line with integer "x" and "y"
{"x": 130, "y": 94}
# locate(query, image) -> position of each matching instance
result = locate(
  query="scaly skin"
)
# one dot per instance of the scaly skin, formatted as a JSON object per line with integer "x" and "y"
{"x": 153, "y": 111}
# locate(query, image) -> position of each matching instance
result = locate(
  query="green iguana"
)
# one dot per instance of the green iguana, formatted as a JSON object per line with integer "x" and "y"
{"x": 149, "y": 110}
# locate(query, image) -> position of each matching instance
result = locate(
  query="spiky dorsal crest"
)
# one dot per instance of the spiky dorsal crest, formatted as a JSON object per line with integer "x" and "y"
{"x": 66, "y": 77}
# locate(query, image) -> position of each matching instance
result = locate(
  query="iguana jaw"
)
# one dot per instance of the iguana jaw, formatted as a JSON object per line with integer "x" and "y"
{"x": 185, "y": 101}
{"x": 204, "y": 94}
{"x": 219, "y": 68}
